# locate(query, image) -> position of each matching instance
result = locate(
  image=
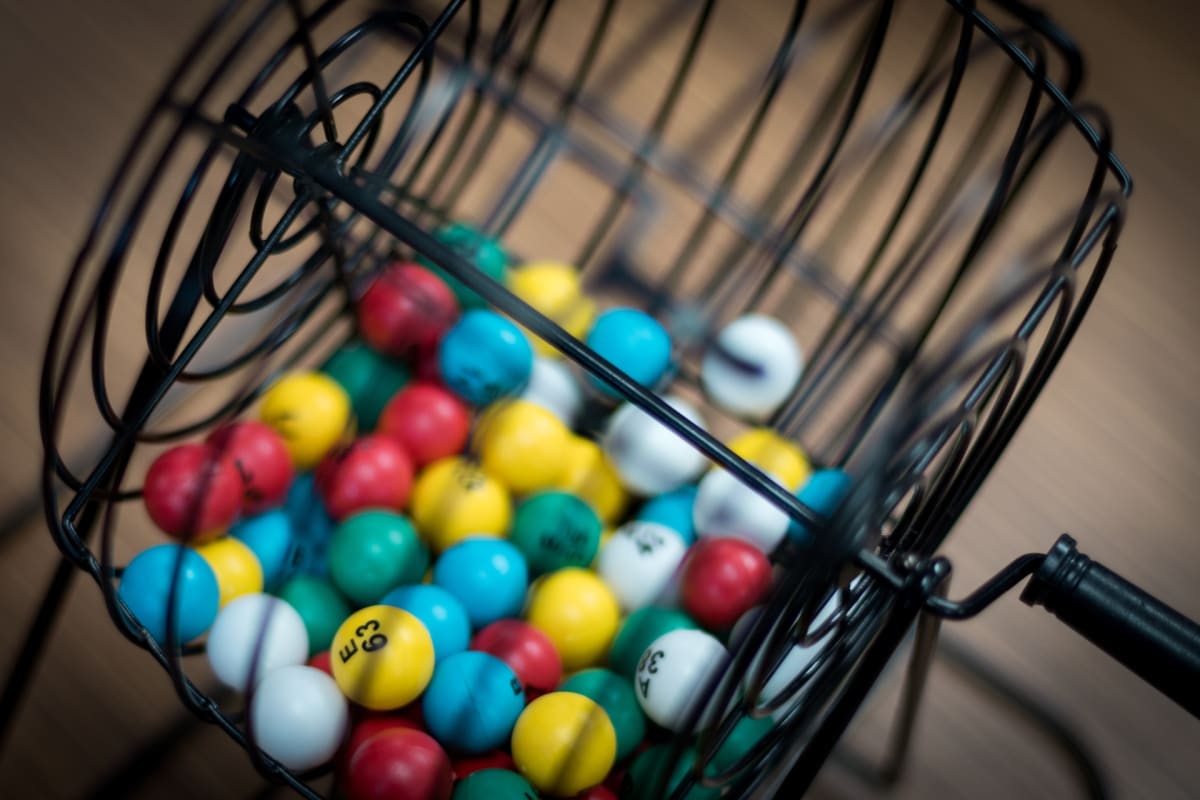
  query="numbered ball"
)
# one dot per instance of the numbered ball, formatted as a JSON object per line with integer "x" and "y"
{"x": 746, "y": 734}
{"x": 298, "y": 717}
{"x": 771, "y": 453}
{"x": 373, "y": 552}
{"x": 405, "y": 309}
{"x": 382, "y": 657}
{"x": 484, "y": 357}
{"x": 428, "y": 421}
{"x": 823, "y": 492}
{"x": 525, "y": 649}
{"x": 472, "y": 702}
{"x": 488, "y": 576}
{"x": 563, "y": 743}
{"x": 553, "y": 386}
{"x": 453, "y": 499}
{"x": 650, "y": 457}
{"x": 727, "y": 507}
{"x": 579, "y": 614}
{"x": 724, "y": 578}
{"x": 493, "y": 784}
{"x": 166, "y": 577}
{"x": 556, "y": 530}
{"x": 639, "y": 630}
{"x": 371, "y": 472}
{"x": 469, "y": 765}
{"x": 193, "y": 492}
{"x": 237, "y": 569}
{"x": 262, "y": 461}
{"x": 674, "y": 510}
{"x": 674, "y": 676}
{"x": 440, "y": 612}
{"x": 369, "y": 378}
{"x": 639, "y": 561}
{"x": 616, "y": 696}
{"x": 522, "y": 445}
{"x": 312, "y": 528}
{"x": 589, "y": 476}
{"x": 269, "y": 537}
{"x": 752, "y": 366}
{"x": 555, "y": 290}
{"x": 253, "y": 636}
{"x": 368, "y": 726}
{"x": 657, "y": 772}
{"x": 399, "y": 763}
{"x": 633, "y": 342}
{"x": 320, "y": 605}
{"x": 481, "y": 251}
{"x": 311, "y": 411}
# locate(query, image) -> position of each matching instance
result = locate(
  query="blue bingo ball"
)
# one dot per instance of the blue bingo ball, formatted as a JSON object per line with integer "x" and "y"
{"x": 674, "y": 510}
{"x": 472, "y": 702}
{"x": 439, "y": 611}
{"x": 488, "y": 576}
{"x": 633, "y": 342}
{"x": 269, "y": 537}
{"x": 312, "y": 528}
{"x": 146, "y": 588}
{"x": 823, "y": 492}
{"x": 484, "y": 357}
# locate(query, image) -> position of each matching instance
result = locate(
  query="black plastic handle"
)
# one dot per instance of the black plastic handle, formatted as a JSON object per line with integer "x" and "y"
{"x": 1143, "y": 633}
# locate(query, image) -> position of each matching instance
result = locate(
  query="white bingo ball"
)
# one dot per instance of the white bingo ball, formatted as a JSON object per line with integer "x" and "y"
{"x": 673, "y": 674}
{"x": 553, "y": 386}
{"x": 298, "y": 716}
{"x": 253, "y": 636}
{"x": 727, "y": 507}
{"x": 752, "y": 366}
{"x": 649, "y": 457}
{"x": 638, "y": 562}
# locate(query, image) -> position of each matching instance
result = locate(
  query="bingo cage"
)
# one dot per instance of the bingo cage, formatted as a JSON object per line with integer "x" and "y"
{"x": 908, "y": 189}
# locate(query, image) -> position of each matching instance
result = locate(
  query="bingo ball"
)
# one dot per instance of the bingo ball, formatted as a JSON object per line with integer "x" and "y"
{"x": 193, "y": 492}
{"x": 552, "y": 385}
{"x": 321, "y": 661}
{"x": 555, "y": 290}
{"x": 494, "y": 784}
{"x": 440, "y": 612}
{"x": 372, "y": 724}
{"x": 428, "y": 421}
{"x": 369, "y": 378}
{"x": 564, "y": 743}
{"x": 371, "y": 472}
{"x": 525, "y": 649}
{"x": 648, "y": 456}
{"x": 633, "y": 342}
{"x": 488, "y": 576}
{"x": 373, "y": 552}
{"x": 579, "y": 614}
{"x": 484, "y": 357}
{"x": 382, "y": 657}
{"x": 616, "y": 696}
{"x": 589, "y": 476}
{"x": 262, "y": 462}
{"x": 639, "y": 630}
{"x": 311, "y": 411}
{"x": 405, "y": 310}
{"x": 399, "y": 764}
{"x": 522, "y": 445}
{"x": 235, "y": 565}
{"x": 638, "y": 562}
{"x": 674, "y": 510}
{"x": 472, "y": 702}
{"x": 773, "y": 454}
{"x": 674, "y": 675}
{"x": 312, "y": 529}
{"x": 298, "y": 717}
{"x": 823, "y": 492}
{"x": 727, "y": 507}
{"x": 479, "y": 250}
{"x": 453, "y": 499}
{"x": 170, "y": 576}
{"x": 657, "y": 773}
{"x": 723, "y": 578}
{"x": 253, "y": 636}
{"x": 746, "y": 733}
{"x": 752, "y": 366}
{"x": 321, "y": 607}
{"x": 469, "y": 765}
{"x": 269, "y": 537}
{"x": 556, "y": 530}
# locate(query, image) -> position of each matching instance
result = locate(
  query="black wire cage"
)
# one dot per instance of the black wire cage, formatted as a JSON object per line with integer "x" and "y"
{"x": 911, "y": 187}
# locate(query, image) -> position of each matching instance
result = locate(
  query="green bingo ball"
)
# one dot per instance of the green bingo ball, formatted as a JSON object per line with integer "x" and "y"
{"x": 373, "y": 552}
{"x": 638, "y": 631}
{"x": 321, "y": 607}
{"x": 482, "y": 251}
{"x": 748, "y": 732}
{"x": 370, "y": 379}
{"x": 493, "y": 784}
{"x": 648, "y": 779}
{"x": 556, "y": 530}
{"x": 616, "y": 696}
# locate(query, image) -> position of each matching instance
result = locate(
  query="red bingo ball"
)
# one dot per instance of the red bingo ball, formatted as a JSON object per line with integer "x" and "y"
{"x": 527, "y": 651}
{"x": 723, "y": 578}
{"x": 430, "y": 422}
{"x": 399, "y": 764}
{"x": 600, "y": 792}
{"x": 405, "y": 310}
{"x": 192, "y": 492}
{"x": 371, "y": 472}
{"x": 321, "y": 661}
{"x": 497, "y": 759}
{"x": 371, "y": 725}
{"x": 262, "y": 461}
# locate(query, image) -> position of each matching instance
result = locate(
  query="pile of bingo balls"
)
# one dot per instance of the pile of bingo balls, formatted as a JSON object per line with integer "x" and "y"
{"x": 421, "y": 573}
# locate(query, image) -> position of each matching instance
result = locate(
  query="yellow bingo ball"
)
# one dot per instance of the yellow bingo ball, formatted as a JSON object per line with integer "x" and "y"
{"x": 589, "y": 476}
{"x": 522, "y": 445}
{"x": 771, "y": 453}
{"x": 564, "y": 743}
{"x": 553, "y": 289}
{"x": 382, "y": 657}
{"x": 311, "y": 411}
{"x": 579, "y": 614}
{"x": 237, "y": 569}
{"x": 453, "y": 499}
